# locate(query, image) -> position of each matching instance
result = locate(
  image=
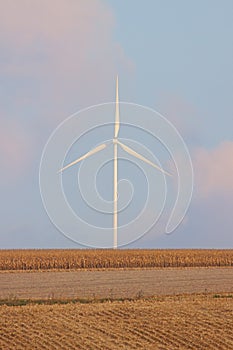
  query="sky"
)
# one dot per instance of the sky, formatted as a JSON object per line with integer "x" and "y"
{"x": 59, "y": 57}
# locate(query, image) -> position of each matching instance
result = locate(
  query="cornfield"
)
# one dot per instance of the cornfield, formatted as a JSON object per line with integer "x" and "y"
{"x": 104, "y": 259}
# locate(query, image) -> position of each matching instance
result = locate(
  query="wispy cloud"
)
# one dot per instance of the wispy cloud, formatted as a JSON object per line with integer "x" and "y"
{"x": 214, "y": 170}
{"x": 66, "y": 49}
{"x": 56, "y": 57}
{"x": 181, "y": 113}
{"x": 16, "y": 147}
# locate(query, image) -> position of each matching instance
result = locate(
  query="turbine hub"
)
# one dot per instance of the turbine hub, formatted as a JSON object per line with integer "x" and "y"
{"x": 114, "y": 141}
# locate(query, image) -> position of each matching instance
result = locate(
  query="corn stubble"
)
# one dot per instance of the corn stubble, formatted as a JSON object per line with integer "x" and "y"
{"x": 181, "y": 322}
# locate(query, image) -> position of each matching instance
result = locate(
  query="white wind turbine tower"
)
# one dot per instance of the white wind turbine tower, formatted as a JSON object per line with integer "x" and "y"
{"x": 127, "y": 149}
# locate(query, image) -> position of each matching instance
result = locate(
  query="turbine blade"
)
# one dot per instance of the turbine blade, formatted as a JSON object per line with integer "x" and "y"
{"x": 117, "y": 115}
{"x": 139, "y": 156}
{"x": 88, "y": 154}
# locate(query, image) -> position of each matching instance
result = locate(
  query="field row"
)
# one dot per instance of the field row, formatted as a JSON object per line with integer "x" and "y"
{"x": 182, "y": 322}
{"x": 104, "y": 259}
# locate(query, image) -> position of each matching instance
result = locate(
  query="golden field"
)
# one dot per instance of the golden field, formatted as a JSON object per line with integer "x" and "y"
{"x": 165, "y": 323}
{"x": 104, "y": 259}
{"x": 113, "y": 300}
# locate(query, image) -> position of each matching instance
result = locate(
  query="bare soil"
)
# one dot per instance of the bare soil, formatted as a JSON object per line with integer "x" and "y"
{"x": 115, "y": 283}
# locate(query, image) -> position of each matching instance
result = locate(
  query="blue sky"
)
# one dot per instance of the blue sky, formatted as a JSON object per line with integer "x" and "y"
{"x": 57, "y": 57}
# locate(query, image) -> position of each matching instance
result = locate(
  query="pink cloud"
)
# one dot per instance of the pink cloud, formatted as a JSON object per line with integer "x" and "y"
{"x": 57, "y": 56}
{"x": 15, "y": 151}
{"x": 214, "y": 170}
{"x": 25, "y": 23}
{"x": 66, "y": 46}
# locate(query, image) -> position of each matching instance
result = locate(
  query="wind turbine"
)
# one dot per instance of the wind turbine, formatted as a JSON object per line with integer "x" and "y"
{"x": 127, "y": 149}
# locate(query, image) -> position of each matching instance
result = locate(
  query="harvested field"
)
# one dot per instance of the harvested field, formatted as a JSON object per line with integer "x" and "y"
{"x": 115, "y": 283}
{"x": 166, "y": 308}
{"x": 104, "y": 259}
{"x": 180, "y": 322}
